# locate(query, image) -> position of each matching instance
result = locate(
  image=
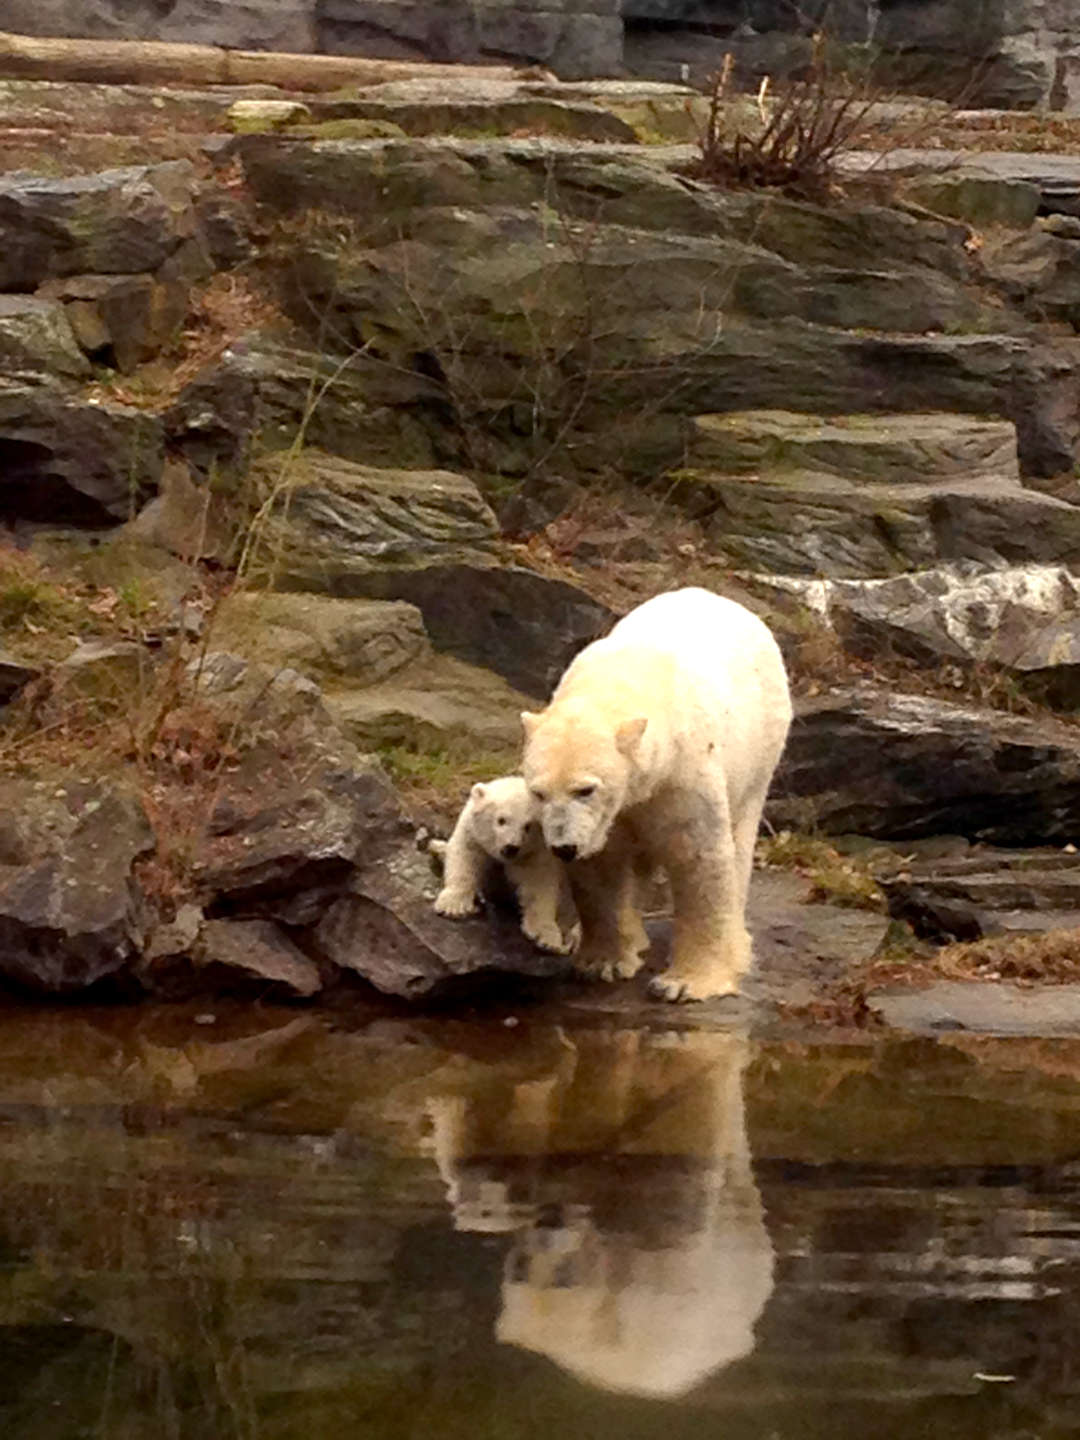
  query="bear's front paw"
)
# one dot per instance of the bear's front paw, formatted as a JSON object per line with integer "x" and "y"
{"x": 609, "y": 968}
{"x": 456, "y": 904}
{"x": 676, "y": 988}
{"x": 547, "y": 937}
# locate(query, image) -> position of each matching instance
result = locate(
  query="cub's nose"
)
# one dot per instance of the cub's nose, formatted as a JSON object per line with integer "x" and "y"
{"x": 509, "y": 851}
{"x": 564, "y": 852}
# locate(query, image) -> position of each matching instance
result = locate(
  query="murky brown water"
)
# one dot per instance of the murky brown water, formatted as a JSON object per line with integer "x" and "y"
{"x": 275, "y": 1227}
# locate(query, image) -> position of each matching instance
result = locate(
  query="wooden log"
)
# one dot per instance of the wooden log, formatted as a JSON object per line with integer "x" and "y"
{"x": 153, "y": 62}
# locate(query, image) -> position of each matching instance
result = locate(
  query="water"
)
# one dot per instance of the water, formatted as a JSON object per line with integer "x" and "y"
{"x": 277, "y": 1226}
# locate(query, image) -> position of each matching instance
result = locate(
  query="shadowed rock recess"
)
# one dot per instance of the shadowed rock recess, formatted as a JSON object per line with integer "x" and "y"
{"x": 333, "y": 426}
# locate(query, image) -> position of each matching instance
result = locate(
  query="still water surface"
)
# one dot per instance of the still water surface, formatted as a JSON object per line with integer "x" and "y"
{"x": 276, "y": 1226}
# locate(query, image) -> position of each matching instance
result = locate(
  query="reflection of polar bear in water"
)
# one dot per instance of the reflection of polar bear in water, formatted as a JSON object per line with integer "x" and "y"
{"x": 640, "y": 1260}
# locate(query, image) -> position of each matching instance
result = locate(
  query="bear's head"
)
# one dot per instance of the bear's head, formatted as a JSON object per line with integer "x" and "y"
{"x": 504, "y": 819}
{"x": 579, "y": 770}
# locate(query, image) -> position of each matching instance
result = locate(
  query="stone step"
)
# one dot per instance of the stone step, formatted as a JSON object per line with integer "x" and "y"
{"x": 842, "y": 529}
{"x": 873, "y": 449}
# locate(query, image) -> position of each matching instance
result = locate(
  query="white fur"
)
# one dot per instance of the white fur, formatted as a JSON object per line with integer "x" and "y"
{"x": 500, "y": 823}
{"x": 643, "y": 1286}
{"x": 658, "y": 747}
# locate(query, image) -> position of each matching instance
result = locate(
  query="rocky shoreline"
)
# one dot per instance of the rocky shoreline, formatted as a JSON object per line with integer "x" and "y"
{"x": 323, "y": 450}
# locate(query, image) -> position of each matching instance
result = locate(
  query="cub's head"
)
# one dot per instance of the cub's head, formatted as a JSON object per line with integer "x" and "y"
{"x": 578, "y": 771}
{"x": 503, "y": 817}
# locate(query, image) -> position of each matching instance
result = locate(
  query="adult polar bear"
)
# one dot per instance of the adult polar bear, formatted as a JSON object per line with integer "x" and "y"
{"x": 658, "y": 748}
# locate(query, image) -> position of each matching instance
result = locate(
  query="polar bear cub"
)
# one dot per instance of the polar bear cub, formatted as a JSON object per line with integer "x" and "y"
{"x": 499, "y": 825}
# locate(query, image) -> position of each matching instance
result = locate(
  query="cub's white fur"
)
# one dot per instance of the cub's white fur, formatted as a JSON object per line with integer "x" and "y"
{"x": 500, "y": 824}
{"x": 658, "y": 748}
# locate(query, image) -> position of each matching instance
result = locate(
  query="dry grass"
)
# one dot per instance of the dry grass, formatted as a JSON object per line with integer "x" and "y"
{"x": 1052, "y": 958}
{"x": 833, "y": 878}
{"x": 803, "y": 129}
{"x": 435, "y": 783}
{"x": 226, "y": 307}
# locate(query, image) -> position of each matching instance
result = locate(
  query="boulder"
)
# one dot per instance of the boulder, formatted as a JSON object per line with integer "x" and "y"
{"x": 121, "y": 320}
{"x": 1025, "y": 619}
{"x": 365, "y": 642}
{"x": 387, "y": 932}
{"x": 119, "y": 222}
{"x": 253, "y": 952}
{"x": 65, "y": 460}
{"x": 573, "y": 37}
{"x": 436, "y": 702}
{"x": 327, "y": 515}
{"x": 985, "y": 892}
{"x": 524, "y": 625}
{"x": 978, "y": 197}
{"x": 874, "y": 762}
{"x": 68, "y": 912}
{"x": 300, "y": 808}
{"x": 36, "y": 339}
{"x": 425, "y": 537}
{"x": 258, "y": 395}
{"x": 933, "y": 449}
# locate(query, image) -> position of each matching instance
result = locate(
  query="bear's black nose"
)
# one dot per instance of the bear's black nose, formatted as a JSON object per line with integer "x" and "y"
{"x": 565, "y": 852}
{"x": 509, "y": 851}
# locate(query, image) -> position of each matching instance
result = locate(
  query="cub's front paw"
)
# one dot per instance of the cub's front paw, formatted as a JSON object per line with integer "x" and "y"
{"x": 456, "y": 904}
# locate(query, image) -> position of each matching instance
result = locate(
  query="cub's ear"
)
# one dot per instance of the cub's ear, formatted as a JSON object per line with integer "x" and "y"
{"x": 478, "y": 792}
{"x": 628, "y": 736}
{"x": 528, "y": 722}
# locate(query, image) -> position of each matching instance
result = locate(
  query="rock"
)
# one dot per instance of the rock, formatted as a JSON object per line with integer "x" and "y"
{"x": 65, "y": 460}
{"x": 986, "y": 892}
{"x": 846, "y": 529}
{"x": 224, "y": 225}
{"x": 979, "y": 198}
{"x": 120, "y": 222}
{"x": 870, "y": 761}
{"x": 101, "y": 671}
{"x": 67, "y": 906}
{"x": 121, "y": 320}
{"x": 184, "y": 518}
{"x": 525, "y": 626}
{"x": 874, "y": 449}
{"x": 434, "y": 702}
{"x": 156, "y": 584}
{"x": 422, "y": 108}
{"x": 330, "y": 514}
{"x": 388, "y": 933}
{"x": 258, "y": 396}
{"x": 253, "y": 117}
{"x": 424, "y": 537}
{"x": 301, "y": 808}
{"x": 36, "y": 339}
{"x": 570, "y": 37}
{"x": 15, "y": 675}
{"x": 1025, "y": 619}
{"x": 258, "y": 950}
{"x": 363, "y": 641}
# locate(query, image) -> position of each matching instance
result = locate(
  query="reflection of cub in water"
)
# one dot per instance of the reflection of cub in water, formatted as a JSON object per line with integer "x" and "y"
{"x": 640, "y": 1259}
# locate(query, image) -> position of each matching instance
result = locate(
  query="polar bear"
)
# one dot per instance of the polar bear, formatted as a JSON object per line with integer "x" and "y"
{"x": 658, "y": 747}
{"x": 499, "y": 825}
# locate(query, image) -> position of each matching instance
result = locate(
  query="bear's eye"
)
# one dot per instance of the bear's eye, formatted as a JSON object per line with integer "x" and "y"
{"x": 501, "y": 820}
{"x": 584, "y": 791}
{"x": 539, "y": 795}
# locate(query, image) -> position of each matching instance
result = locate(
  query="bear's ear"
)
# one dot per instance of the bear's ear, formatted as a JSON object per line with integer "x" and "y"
{"x": 628, "y": 736}
{"x": 478, "y": 792}
{"x": 528, "y": 722}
